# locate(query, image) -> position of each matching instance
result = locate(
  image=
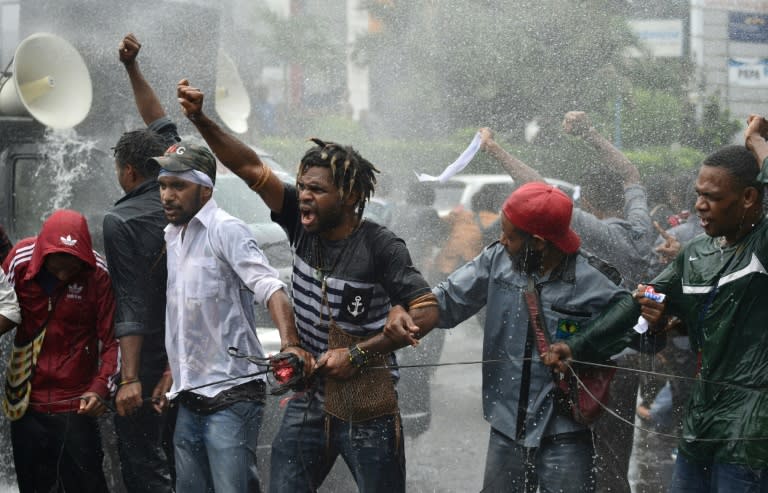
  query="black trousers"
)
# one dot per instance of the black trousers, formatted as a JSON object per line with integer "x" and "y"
{"x": 613, "y": 439}
{"x": 144, "y": 459}
{"x": 57, "y": 452}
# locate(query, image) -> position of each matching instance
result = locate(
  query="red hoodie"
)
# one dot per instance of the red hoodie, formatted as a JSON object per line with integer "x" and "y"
{"x": 79, "y": 352}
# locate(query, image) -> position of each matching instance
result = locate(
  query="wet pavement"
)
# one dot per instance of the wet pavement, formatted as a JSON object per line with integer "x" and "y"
{"x": 450, "y": 455}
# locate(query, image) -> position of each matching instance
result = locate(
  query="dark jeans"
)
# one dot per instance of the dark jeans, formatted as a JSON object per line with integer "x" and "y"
{"x": 141, "y": 443}
{"x": 613, "y": 438}
{"x": 302, "y": 454}
{"x": 690, "y": 477}
{"x": 562, "y": 463}
{"x": 57, "y": 452}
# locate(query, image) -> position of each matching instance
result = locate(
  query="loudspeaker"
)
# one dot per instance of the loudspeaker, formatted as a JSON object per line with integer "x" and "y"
{"x": 49, "y": 82}
{"x": 232, "y": 102}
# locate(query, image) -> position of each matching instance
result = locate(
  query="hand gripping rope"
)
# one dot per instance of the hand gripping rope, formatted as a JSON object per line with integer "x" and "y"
{"x": 287, "y": 370}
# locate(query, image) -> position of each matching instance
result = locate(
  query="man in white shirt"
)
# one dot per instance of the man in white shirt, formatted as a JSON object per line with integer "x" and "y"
{"x": 216, "y": 271}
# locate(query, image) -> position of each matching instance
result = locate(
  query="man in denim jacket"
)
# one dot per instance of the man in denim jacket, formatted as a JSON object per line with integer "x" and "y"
{"x": 614, "y": 223}
{"x": 531, "y": 444}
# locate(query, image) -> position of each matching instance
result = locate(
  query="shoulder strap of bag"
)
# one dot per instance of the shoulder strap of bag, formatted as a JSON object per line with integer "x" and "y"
{"x": 536, "y": 317}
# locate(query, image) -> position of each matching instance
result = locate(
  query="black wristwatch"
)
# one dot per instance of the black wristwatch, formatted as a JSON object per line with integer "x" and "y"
{"x": 357, "y": 356}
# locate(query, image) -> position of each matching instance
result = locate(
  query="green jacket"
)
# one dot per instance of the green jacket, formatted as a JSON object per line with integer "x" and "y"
{"x": 722, "y": 296}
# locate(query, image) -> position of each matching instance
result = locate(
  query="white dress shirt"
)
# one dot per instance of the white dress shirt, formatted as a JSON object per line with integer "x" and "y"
{"x": 214, "y": 276}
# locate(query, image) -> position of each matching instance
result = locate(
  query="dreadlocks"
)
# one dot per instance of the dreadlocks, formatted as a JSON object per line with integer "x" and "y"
{"x": 351, "y": 172}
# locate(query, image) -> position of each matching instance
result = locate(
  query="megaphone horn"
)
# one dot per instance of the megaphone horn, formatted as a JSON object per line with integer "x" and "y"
{"x": 49, "y": 82}
{"x": 232, "y": 102}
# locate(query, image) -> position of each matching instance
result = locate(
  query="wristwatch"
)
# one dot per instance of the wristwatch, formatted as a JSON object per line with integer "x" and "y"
{"x": 357, "y": 356}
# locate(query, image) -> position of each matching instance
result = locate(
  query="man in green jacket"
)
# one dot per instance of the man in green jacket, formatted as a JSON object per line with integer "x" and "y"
{"x": 718, "y": 286}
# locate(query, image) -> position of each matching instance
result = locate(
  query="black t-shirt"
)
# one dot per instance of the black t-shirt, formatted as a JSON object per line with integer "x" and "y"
{"x": 365, "y": 274}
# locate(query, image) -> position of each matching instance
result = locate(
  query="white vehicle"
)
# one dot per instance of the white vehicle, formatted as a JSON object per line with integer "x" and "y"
{"x": 461, "y": 189}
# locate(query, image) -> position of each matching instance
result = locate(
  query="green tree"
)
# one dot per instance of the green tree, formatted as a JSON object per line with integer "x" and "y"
{"x": 499, "y": 63}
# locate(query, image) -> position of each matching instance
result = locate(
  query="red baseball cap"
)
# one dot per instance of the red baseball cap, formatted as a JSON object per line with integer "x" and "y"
{"x": 543, "y": 210}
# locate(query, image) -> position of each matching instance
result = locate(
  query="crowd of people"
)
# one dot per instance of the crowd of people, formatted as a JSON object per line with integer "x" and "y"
{"x": 161, "y": 330}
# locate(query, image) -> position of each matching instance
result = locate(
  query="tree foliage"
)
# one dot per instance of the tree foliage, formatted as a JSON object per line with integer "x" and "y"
{"x": 498, "y": 63}
{"x": 437, "y": 66}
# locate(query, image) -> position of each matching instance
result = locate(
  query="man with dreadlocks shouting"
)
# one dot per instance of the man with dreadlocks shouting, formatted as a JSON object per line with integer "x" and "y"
{"x": 347, "y": 274}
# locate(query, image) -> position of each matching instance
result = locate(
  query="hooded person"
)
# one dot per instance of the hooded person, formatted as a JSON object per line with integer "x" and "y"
{"x": 64, "y": 359}
{"x": 532, "y": 442}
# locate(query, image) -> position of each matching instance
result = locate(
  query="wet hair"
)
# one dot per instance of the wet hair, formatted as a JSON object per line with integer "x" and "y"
{"x": 136, "y": 148}
{"x": 491, "y": 196}
{"x": 658, "y": 187}
{"x": 740, "y": 164}
{"x": 351, "y": 172}
{"x": 603, "y": 188}
{"x": 420, "y": 194}
{"x": 674, "y": 190}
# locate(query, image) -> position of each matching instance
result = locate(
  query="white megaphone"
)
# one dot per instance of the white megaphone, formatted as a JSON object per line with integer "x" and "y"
{"x": 50, "y": 82}
{"x": 232, "y": 102}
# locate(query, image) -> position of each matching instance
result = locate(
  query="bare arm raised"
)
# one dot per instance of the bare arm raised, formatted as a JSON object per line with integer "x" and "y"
{"x": 576, "y": 123}
{"x": 147, "y": 102}
{"x": 517, "y": 169}
{"x": 234, "y": 154}
{"x": 754, "y": 137}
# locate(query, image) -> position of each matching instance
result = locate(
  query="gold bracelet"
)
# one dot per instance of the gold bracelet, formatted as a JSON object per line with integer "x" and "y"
{"x": 263, "y": 179}
{"x": 423, "y": 301}
{"x": 129, "y": 381}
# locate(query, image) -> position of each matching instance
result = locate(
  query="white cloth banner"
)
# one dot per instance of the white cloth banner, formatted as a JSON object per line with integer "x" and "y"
{"x": 457, "y": 166}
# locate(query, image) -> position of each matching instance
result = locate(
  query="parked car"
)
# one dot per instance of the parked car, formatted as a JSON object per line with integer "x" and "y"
{"x": 462, "y": 189}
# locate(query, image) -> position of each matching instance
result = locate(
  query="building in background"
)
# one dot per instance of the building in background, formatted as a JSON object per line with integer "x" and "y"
{"x": 729, "y": 46}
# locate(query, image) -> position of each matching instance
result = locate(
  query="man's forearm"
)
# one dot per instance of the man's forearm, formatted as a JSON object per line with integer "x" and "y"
{"x": 130, "y": 356}
{"x": 612, "y": 157}
{"x": 425, "y": 318}
{"x": 147, "y": 102}
{"x": 233, "y": 153}
{"x": 281, "y": 311}
{"x": 608, "y": 333}
{"x": 517, "y": 169}
{"x": 759, "y": 147}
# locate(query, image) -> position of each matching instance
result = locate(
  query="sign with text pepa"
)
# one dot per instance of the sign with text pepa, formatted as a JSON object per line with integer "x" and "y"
{"x": 748, "y": 27}
{"x": 748, "y": 72}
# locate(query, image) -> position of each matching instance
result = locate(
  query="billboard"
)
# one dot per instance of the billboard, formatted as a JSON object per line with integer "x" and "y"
{"x": 748, "y": 72}
{"x": 661, "y": 37}
{"x": 748, "y": 27}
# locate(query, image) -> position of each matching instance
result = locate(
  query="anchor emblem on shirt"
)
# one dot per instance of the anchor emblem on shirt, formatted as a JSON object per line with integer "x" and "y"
{"x": 357, "y": 304}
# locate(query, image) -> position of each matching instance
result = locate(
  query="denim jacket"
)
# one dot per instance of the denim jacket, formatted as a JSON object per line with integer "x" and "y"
{"x": 570, "y": 296}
